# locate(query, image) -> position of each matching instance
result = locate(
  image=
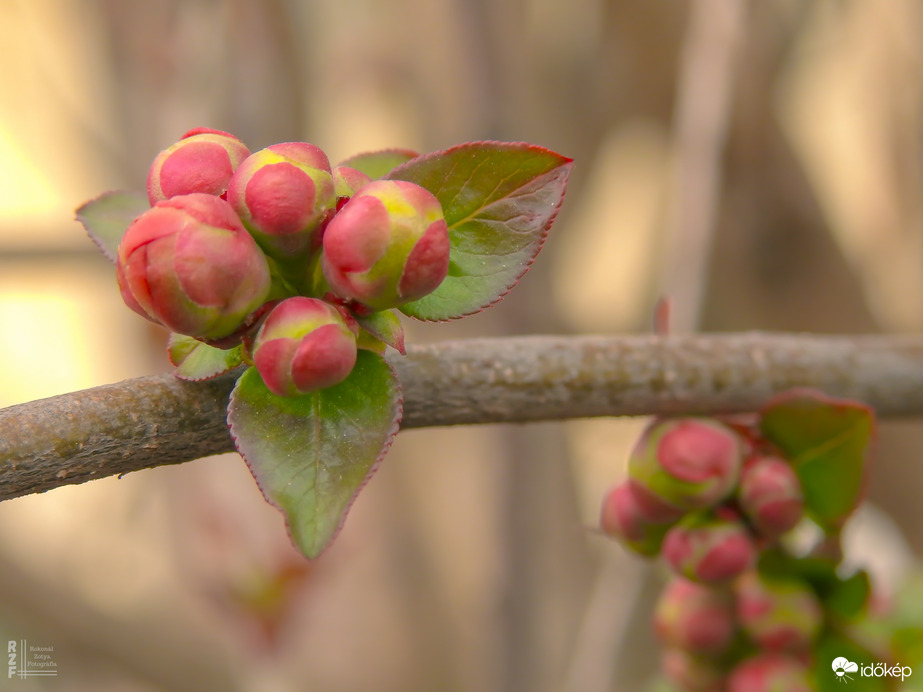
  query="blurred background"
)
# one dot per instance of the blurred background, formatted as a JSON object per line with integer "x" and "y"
{"x": 759, "y": 162}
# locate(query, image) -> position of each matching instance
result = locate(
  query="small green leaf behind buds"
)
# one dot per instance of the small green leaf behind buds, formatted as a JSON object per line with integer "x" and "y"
{"x": 189, "y": 264}
{"x": 283, "y": 194}
{"x": 709, "y": 548}
{"x": 202, "y": 161}
{"x": 196, "y": 361}
{"x": 348, "y": 181}
{"x": 304, "y": 345}
{"x": 770, "y": 672}
{"x": 770, "y": 495}
{"x": 688, "y": 463}
{"x": 777, "y": 613}
{"x": 377, "y": 164}
{"x": 623, "y": 516}
{"x": 385, "y": 327}
{"x": 697, "y": 618}
{"x": 388, "y": 245}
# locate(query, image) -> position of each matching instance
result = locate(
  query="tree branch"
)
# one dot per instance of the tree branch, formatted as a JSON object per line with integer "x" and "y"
{"x": 158, "y": 420}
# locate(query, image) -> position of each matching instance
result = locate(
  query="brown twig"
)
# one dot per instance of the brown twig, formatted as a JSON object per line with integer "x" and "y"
{"x": 159, "y": 420}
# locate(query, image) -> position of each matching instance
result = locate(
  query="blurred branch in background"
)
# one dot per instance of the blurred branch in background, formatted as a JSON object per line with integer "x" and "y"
{"x": 703, "y": 104}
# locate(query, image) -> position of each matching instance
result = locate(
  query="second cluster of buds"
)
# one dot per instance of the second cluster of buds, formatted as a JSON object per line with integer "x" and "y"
{"x": 279, "y": 252}
{"x": 697, "y": 493}
{"x": 707, "y": 629}
{"x": 708, "y": 496}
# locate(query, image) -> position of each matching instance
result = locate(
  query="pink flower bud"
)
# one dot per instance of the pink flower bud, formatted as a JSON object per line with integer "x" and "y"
{"x": 283, "y": 194}
{"x": 622, "y": 517}
{"x": 708, "y": 548}
{"x": 652, "y": 507}
{"x": 770, "y": 672}
{"x": 699, "y": 619}
{"x": 770, "y": 495}
{"x": 305, "y": 344}
{"x": 777, "y": 613}
{"x": 692, "y": 673}
{"x": 189, "y": 264}
{"x": 348, "y": 181}
{"x": 689, "y": 463}
{"x": 202, "y": 161}
{"x": 387, "y": 246}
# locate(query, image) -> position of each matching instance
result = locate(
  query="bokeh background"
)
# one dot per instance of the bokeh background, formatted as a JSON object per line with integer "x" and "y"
{"x": 760, "y": 162}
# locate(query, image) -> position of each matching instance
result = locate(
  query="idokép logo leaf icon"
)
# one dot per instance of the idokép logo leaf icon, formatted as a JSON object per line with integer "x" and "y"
{"x": 842, "y": 668}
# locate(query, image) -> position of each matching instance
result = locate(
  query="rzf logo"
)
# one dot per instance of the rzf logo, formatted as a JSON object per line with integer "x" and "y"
{"x": 11, "y": 650}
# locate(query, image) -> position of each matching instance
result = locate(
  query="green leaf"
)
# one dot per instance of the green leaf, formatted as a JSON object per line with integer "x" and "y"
{"x": 386, "y": 327}
{"x": 377, "y": 164}
{"x": 107, "y": 217}
{"x": 197, "y": 361}
{"x": 311, "y": 454}
{"x": 775, "y": 563}
{"x": 849, "y": 596}
{"x": 818, "y": 572}
{"x": 827, "y": 441}
{"x": 500, "y": 200}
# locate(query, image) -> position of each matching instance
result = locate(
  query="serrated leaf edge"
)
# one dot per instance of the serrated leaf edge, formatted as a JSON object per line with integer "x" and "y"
{"x": 376, "y": 152}
{"x": 186, "y": 378}
{"x": 518, "y": 145}
{"x": 396, "y": 418}
{"x": 397, "y": 344}
{"x": 81, "y": 218}
{"x": 397, "y": 415}
{"x": 567, "y": 164}
{"x": 817, "y": 395}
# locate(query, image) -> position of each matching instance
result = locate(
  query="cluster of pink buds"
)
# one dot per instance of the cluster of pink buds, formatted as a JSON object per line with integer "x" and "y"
{"x": 703, "y": 495}
{"x": 279, "y": 252}
{"x": 709, "y": 497}
{"x": 752, "y": 635}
